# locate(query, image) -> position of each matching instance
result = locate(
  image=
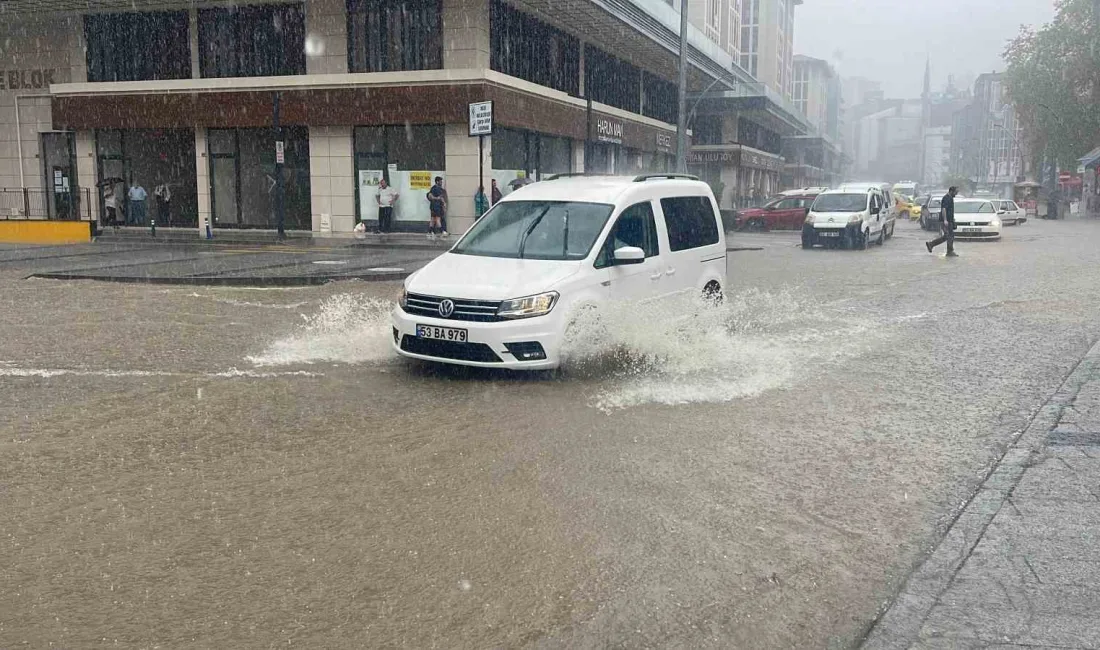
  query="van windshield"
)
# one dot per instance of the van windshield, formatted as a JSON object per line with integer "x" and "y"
{"x": 540, "y": 230}
{"x": 840, "y": 203}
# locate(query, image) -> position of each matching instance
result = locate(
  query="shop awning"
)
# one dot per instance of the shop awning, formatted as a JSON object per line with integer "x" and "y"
{"x": 757, "y": 102}
{"x": 1091, "y": 159}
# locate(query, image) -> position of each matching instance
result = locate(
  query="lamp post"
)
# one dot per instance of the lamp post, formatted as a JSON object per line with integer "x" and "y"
{"x": 681, "y": 113}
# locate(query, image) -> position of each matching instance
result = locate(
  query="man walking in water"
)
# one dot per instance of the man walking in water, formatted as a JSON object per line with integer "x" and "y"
{"x": 947, "y": 223}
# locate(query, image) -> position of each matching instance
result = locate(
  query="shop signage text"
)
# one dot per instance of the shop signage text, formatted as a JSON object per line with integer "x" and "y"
{"x": 26, "y": 79}
{"x": 664, "y": 140}
{"x": 608, "y": 130}
{"x": 753, "y": 159}
{"x": 713, "y": 156}
{"x": 481, "y": 118}
{"x": 420, "y": 180}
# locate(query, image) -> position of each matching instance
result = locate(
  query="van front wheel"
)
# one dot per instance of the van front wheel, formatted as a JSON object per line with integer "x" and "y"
{"x": 712, "y": 294}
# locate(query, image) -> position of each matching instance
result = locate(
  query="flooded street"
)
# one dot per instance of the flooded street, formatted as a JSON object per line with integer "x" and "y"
{"x": 227, "y": 467}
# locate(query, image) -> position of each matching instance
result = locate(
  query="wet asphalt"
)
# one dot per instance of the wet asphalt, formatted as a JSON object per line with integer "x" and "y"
{"x": 190, "y": 466}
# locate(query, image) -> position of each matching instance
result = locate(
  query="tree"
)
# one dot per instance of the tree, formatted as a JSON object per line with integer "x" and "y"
{"x": 961, "y": 182}
{"x": 1053, "y": 78}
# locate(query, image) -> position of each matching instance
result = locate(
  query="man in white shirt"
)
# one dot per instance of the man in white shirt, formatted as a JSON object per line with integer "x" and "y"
{"x": 137, "y": 196}
{"x": 387, "y": 196}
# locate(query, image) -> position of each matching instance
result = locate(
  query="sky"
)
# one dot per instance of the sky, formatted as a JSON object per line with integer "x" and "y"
{"x": 888, "y": 40}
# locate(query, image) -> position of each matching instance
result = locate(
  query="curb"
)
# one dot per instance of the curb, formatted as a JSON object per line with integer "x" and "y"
{"x": 899, "y": 623}
{"x": 215, "y": 281}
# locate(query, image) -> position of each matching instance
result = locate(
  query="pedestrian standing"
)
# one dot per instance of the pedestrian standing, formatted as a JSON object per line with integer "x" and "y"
{"x": 110, "y": 205}
{"x": 481, "y": 202}
{"x": 495, "y": 193}
{"x": 387, "y": 196}
{"x": 163, "y": 197}
{"x": 947, "y": 223}
{"x": 437, "y": 204}
{"x": 137, "y": 196}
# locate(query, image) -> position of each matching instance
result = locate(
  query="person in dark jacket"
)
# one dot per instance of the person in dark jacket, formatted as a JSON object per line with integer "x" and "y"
{"x": 947, "y": 223}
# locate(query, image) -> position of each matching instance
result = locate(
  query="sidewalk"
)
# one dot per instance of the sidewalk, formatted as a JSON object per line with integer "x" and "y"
{"x": 414, "y": 241}
{"x": 1020, "y": 567}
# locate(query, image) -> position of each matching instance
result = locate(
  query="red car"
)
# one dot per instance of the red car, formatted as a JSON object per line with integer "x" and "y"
{"x": 780, "y": 213}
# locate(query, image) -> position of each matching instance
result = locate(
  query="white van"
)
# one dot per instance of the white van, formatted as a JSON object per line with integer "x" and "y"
{"x": 503, "y": 296}
{"x": 851, "y": 216}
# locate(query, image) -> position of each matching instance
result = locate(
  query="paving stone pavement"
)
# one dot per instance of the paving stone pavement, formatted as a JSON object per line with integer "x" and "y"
{"x": 1020, "y": 566}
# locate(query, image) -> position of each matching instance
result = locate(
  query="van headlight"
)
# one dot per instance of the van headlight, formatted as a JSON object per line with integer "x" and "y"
{"x": 855, "y": 218}
{"x": 538, "y": 305}
{"x": 810, "y": 218}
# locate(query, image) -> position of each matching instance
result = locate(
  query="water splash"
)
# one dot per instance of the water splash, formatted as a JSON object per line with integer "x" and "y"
{"x": 348, "y": 328}
{"x": 687, "y": 351}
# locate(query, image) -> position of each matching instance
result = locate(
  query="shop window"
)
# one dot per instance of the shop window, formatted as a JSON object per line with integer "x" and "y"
{"x": 555, "y": 155}
{"x": 138, "y": 46}
{"x": 706, "y": 129}
{"x": 252, "y": 41}
{"x": 524, "y": 47}
{"x": 610, "y": 80}
{"x": 660, "y": 100}
{"x": 409, "y": 157}
{"x": 389, "y": 35}
{"x": 242, "y": 169}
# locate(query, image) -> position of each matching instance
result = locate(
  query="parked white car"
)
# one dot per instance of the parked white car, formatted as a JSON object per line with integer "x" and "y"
{"x": 851, "y": 216}
{"x": 976, "y": 219}
{"x": 504, "y": 295}
{"x": 1011, "y": 213}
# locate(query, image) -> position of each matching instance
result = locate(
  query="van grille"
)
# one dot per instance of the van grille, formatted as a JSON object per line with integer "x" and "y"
{"x": 478, "y": 311}
{"x": 449, "y": 349}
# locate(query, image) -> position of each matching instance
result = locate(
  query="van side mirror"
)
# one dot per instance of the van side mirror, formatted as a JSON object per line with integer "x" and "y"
{"x": 629, "y": 255}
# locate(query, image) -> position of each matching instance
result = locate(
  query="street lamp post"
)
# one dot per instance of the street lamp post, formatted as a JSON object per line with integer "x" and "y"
{"x": 681, "y": 113}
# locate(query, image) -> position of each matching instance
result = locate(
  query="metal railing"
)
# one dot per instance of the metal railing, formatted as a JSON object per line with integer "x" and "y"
{"x": 36, "y": 203}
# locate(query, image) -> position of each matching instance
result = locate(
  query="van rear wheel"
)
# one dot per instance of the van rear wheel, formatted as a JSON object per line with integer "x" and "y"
{"x": 712, "y": 294}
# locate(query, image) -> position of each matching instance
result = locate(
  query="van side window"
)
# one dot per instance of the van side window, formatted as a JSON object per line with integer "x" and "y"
{"x": 637, "y": 227}
{"x": 691, "y": 222}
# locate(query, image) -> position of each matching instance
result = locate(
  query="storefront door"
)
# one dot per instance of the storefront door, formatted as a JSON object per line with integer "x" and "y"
{"x": 59, "y": 166}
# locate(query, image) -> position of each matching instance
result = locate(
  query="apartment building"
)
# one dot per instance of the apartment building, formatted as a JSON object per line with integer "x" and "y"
{"x": 987, "y": 143}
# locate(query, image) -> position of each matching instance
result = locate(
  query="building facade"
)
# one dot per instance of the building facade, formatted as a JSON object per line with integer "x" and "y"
{"x": 767, "y": 42}
{"x": 987, "y": 147}
{"x": 301, "y": 108}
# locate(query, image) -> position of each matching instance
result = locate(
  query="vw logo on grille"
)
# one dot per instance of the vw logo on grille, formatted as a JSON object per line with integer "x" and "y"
{"x": 446, "y": 307}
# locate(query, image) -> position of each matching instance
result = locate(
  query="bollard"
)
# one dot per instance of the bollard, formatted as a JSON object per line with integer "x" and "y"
{"x": 152, "y": 227}
{"x": 206, "y": 228}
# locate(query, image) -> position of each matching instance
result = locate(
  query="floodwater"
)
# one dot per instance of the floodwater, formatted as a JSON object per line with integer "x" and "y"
{"x": 250, "y": 468}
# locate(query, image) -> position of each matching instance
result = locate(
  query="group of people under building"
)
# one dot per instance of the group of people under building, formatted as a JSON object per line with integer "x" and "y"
{"x": 131, "y": 208}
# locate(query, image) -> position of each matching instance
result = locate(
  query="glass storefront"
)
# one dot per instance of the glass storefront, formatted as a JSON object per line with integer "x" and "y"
{"x": 409, "y": 158}
{"x": 520, "y": 155}
{"x": 150, "y": 158}
{"x": 243, "y": 178}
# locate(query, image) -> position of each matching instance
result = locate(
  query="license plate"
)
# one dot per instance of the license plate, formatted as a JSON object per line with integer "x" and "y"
{"x": 441, "y": 333}
{"x": 971, "y": 229}
{"x": 827, "y": 233}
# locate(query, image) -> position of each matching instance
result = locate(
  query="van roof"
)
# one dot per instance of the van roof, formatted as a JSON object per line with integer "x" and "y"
{"x": 600, "y": 189}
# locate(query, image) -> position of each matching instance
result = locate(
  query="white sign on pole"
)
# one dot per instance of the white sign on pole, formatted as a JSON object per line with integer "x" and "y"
{"x": 481, "y": 118}
{"x": 280, "y": 152}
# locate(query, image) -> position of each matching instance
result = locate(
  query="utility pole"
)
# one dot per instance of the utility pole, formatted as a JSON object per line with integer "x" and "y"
{"x": 681, "y": 113}
{"x": 280, "y": 202}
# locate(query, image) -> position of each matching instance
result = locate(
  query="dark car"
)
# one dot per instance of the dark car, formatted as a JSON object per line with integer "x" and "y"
{"x": 779, "y": 213}
{"x": 930, "y": 213}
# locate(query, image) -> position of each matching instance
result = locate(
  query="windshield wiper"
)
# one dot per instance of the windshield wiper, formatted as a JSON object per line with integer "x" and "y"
{"x": 530, "y": 229}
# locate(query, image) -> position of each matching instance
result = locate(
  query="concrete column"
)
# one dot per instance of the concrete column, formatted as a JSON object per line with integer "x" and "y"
{"x": 86, "y": 171}
{"x": 332, "y": 177}
{"x": 578, "y": 155}
{"x": 465, "y": 34}
{"x": 462, "y": 175}
{"x": 202, "y": 179}
{"x": 326, "y": 37}
{"x": 193, "y": 32}
{"x": 78, "y": 51}
{"x": 580, "y": 69}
